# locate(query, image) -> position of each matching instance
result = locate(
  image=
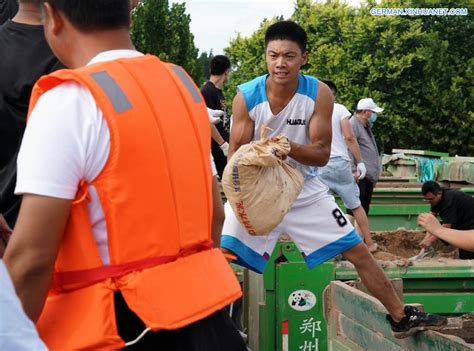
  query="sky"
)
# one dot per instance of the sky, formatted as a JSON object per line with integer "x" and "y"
{"x": 215, "y": 22}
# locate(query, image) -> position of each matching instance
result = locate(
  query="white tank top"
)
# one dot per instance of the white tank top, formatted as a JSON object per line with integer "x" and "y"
{"x": 339, "y": 146}
{"x": 292, "y": 121}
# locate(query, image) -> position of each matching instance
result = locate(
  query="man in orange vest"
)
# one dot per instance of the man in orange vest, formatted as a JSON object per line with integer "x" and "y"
{"x": 112, "y": 245}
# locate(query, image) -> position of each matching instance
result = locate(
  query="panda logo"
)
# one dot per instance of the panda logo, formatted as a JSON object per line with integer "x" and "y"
{"x": 302, "y": 300}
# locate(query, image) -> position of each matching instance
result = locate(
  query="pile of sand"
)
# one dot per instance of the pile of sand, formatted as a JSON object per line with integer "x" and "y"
{"x": 403, "y": 244}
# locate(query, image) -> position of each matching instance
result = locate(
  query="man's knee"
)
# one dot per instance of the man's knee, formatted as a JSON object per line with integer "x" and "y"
{"x": 359, "y": 255}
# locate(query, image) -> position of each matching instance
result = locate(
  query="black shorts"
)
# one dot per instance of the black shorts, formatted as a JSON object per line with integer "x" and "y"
{"x": 214, "y": 333}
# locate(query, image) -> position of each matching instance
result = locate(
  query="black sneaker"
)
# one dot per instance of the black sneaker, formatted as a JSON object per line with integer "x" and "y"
{"x": 415, "y": 321}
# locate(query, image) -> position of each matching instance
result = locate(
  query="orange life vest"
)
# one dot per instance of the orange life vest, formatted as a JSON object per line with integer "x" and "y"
{"x": 155, "y": 192}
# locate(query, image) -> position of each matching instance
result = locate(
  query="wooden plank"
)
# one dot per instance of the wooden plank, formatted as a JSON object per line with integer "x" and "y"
{"x": 336, "y": 345}
{"x": 337, "y": 341}
{"x": 370, "y": 313}
{"x": 253, "y": 298}
{"x": 364, "y": 337}
{"x": 397, "y": 284}
{"x": 462, "y": 327}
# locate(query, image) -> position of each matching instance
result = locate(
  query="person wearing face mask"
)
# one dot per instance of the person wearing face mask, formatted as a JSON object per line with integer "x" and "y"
{"x": 362, "y": 122}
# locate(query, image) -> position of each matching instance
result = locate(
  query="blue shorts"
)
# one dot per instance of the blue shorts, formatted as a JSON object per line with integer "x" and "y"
{"x": 316, "y": 225}
{"x": 337, "y": 175}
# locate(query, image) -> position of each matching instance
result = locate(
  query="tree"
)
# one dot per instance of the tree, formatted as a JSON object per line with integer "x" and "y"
{"x": 164, "y": 31}
{"x": 420, "y": 68}
{"x": 203, "y": 64}
{"x": 247, "y": 58}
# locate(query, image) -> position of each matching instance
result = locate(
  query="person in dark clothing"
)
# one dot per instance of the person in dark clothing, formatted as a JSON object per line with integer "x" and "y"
{"x": 212, "y": 92}
{"x": 8, "y": 9}
{"x": 361, "y": 122}
{"x": 463, "y": 239}
{"x": 26, "y": 56}
{"x": 454, "y": 207}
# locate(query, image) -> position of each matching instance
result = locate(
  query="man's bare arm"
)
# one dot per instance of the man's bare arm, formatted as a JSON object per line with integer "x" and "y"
{"x": 5, "y": 232}
{"x": 320, "y": 132}
{"x": 463, "y": 239}
{"x": 242, "y": 125}
{"x": 351, "y": 140}
{"x": 216, "y": 136}
{"x": 33, "y": 248}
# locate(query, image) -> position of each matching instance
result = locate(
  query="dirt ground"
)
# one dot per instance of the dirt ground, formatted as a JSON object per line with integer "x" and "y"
{"x": 403, "y": 244}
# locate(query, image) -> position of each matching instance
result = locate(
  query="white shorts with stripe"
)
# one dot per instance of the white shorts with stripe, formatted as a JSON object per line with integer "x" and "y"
{"x": 315, "y": 223}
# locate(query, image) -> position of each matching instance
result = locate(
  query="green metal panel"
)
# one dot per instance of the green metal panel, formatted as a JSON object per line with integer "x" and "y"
{"x": 445, "y": 287}
{"x": 419, "y": 269}
{"x": 438, "y": 284}
{"x": 393, "y": 222}
{"x": 293, "y": 312}
{"x": 305, "y": 328}
{"x": 393, "y": 208}
{"x": 444, "y": 303}
{"x": 397, "y": 209}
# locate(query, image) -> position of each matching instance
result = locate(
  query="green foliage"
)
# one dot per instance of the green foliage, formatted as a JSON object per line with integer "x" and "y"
{"x": 164, "y": 31}
{"x": 420, "y": 68}
{"x": 204, "y": 61}
{"x": 247, "y": 58}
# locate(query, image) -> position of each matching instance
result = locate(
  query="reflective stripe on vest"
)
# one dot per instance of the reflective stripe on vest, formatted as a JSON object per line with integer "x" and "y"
{"x": 187, "y": 83}
{"x": 115, "y": 94}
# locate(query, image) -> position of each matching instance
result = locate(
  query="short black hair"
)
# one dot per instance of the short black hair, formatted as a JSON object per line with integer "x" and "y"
{"x": 430, "y": 187}
{"x": 219, "y": 64}
{"x": 90, "y": 15}
{"x": 287, "y": 30}
{"x": 330, "y": 84}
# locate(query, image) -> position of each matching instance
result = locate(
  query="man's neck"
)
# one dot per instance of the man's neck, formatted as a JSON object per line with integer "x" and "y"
{"x": 281, "y": 91}
{"x": 92, "y": 44}
{"x": 218, "y": 81}
{"x": 28, "y": 14}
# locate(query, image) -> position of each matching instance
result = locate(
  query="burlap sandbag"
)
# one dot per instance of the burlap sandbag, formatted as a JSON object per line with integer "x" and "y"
{"x": 260, "y": 186}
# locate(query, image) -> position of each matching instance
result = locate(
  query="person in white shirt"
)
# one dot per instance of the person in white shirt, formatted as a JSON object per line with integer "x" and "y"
{"x": 337, "y": 174}
{"x": 17, "y": 332}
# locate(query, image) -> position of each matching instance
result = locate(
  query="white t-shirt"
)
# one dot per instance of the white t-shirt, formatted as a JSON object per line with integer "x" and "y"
{"x": 17, "y": 331}
{"x": 67, "y": 140}
{"x": 338, "y": 145}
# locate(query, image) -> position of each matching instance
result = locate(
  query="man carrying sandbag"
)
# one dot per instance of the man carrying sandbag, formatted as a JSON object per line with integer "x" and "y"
{"x": 300, "y": 107}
